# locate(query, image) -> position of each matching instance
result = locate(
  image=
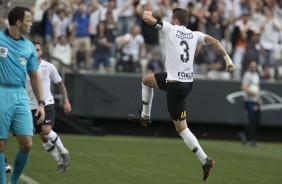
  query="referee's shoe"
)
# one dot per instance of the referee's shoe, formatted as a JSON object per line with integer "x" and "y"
{"x": 8, "y": 168}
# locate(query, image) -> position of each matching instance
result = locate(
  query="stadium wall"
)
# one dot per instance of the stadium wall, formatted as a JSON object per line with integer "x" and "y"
{"x": 219, "y": 102}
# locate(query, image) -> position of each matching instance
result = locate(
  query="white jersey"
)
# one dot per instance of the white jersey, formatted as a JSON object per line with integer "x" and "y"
{"x": 180, "y": 44}
{"x": 47, "y": 72}
{"x": 251, "y": 78}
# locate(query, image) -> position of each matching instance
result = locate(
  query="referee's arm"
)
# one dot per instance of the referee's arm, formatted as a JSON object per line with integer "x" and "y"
{"x": 35, "y": 82}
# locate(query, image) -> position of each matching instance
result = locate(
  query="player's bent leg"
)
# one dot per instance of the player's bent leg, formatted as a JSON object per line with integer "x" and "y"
{"x": 56, "y": 141}
{"x": 50, "y": 148}
{"x": 149, "y": 80}
{"x": 22, "y": 157}
{"x": 143, "y": 117}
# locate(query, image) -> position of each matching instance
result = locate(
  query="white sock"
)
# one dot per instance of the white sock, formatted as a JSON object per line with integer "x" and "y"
{"x": 192, "y": 143}
{"x": 52, "y": 150}
{"x": 147, "y": 98}
{"x": 56, "y": 141}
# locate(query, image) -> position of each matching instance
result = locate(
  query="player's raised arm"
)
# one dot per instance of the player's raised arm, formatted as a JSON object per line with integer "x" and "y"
{"x": 149, "y": 19}
{"x": 220, "y": 50}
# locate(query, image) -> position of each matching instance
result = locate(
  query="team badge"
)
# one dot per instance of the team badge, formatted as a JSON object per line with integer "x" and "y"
{"x": 3, "y": 52}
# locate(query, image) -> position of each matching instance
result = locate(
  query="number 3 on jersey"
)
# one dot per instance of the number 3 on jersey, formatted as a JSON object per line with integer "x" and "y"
{"x": 185, "y": 56}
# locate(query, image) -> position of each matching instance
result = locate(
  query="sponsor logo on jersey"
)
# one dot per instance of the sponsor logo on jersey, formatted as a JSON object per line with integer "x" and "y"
{"x": 185, "y": 75}
{"x": 183, "y": 35}
{"x": 3, "y": 52}
{"x": 23, "y": 61}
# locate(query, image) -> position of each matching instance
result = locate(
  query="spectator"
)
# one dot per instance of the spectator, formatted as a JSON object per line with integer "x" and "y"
{"x": 37, "y": 25}
{"x": 270, "y": 35}
{"x": 155, "y": 65}
{"x": 81, "y": 56}
{"x": 133, "y": 47}
{"x": 101, "y": 53}
{"x": 81, "y": 24}
{"x": 62, "y": 50}
{"x": 252, "y": 49}
{"x": 97, "y": 15}
{"x": 239, "y": 41}
{"x": 61, "y": 25}
{"x": 126, "y": 15}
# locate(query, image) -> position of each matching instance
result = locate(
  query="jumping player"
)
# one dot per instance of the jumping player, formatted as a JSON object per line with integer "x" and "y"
{"x": 180, "y": 44}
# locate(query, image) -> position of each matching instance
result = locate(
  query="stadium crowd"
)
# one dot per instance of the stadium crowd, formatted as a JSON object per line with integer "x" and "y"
{"x": 110, "y": 35}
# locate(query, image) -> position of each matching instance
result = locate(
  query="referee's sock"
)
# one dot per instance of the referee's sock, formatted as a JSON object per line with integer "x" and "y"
{"x": 20, "y": 163}
{"x": 192, "y": 143}
{"x": 2, "y": 168}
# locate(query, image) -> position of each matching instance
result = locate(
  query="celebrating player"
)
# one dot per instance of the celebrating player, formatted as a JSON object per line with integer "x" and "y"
{"x": 180, "y": 44}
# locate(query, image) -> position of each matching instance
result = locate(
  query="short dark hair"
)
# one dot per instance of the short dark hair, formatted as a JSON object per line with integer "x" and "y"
{"x": 16, "y": 14}
{"x": 181, "y": 15}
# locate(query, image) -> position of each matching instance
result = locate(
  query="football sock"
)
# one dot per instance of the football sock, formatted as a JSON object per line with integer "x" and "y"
{"x": 192, "y": 143}
{"x": 147, "y": 98}
{"x": 20, "y": 162}
{"x": 56, "y": 141}
{"x": 52, "y": 150}
{"x": 2, "y": 168}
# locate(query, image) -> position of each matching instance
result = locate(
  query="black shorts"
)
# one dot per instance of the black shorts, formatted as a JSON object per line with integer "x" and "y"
{"x": 176, "y": 94}
{"x": 49, "y": 118}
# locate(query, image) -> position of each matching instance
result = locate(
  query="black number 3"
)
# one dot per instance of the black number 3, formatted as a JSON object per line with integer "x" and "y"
{"x": 184, "y": 57}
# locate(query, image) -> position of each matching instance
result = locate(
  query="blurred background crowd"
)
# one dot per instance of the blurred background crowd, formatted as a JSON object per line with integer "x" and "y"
{"x": 109, "y": 36}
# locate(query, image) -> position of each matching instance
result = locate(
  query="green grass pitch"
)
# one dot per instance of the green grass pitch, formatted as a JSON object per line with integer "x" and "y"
{"x": 151, "y": 160}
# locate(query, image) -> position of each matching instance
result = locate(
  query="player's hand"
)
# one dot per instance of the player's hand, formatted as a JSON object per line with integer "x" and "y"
{"x": 41, "y": 113}
{"x": 67, "y": 107}
{"x": 230, "y": 67}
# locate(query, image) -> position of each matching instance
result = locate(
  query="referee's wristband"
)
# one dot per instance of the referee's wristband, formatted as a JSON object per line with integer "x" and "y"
{"x": 41, "y": 102}
{"x": 227, "y": 59}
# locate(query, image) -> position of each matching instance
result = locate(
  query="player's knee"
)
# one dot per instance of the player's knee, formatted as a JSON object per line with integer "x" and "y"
{"x": 2, "y": 145}
{"x": 45, "y": 130}
{"x": 147, "y": 80}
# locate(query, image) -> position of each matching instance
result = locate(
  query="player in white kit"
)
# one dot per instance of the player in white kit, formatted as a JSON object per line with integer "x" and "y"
{"x": 50, "y": 139}
{"x": 180, "y": 44}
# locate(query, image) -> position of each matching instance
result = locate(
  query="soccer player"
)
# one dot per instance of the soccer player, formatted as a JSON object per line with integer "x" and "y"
{"x": 180, "y": 44}
{"x": 252, "y": 103}
{"x": 50, "y": 139}
{"x": 17, "y": 57}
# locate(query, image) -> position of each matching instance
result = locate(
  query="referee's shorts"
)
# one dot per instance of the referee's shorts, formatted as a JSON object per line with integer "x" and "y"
{"x": 15, "y": 112}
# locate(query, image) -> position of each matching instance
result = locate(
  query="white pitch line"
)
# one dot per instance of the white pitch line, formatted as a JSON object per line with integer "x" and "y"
{"x": 28, "y": 179}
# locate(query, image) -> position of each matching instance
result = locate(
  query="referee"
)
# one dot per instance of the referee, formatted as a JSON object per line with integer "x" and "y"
{"x": 17, "y": 57}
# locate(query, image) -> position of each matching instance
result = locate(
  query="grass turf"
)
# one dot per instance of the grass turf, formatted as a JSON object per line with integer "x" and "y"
{"x": 150, "y": 160}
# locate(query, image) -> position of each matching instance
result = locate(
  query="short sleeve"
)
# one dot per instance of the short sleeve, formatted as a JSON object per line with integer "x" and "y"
{"x": 201, "y": 37}
{"x": 167, "y": 27}
{"x": 32, "y": 63}
{"x": 54, "y": 74}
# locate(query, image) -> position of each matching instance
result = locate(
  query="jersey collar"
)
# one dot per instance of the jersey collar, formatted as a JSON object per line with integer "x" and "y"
{"x": 8, "y": 34}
